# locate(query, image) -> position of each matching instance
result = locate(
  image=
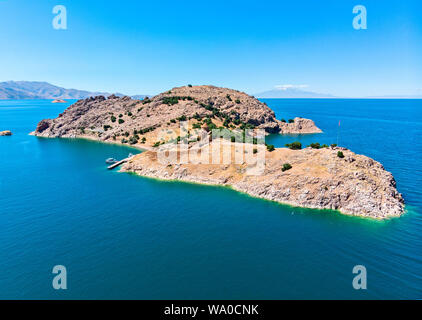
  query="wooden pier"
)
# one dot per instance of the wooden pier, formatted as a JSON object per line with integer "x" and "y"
{"x": 118, "y": 163}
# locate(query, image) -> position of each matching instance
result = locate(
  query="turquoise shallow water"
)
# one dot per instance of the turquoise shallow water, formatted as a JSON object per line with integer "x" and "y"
{"x": 123, "y": 236}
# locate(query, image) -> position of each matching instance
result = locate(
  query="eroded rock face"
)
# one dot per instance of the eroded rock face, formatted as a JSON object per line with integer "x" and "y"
{"x": 112, "y": 118}
{"x": 43, "y": 125}
{"x": 5, "y": 133}
{"x": 354, "y": 185}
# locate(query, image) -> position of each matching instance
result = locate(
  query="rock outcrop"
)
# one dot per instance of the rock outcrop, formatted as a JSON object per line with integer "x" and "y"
{"x": 5, "y": 133}
{"x": 353, "y": 185}
{"x": 299, "y": 125}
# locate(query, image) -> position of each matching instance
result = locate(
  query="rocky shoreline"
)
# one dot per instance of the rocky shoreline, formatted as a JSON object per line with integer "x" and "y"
{"x": 354, "y": 185}
{"x": 312, "y": 177}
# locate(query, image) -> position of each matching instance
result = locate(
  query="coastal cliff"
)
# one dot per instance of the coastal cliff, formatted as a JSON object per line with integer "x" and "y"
{"x": 312, "y": 177}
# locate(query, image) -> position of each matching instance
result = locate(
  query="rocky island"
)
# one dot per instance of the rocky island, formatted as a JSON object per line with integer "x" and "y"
{"x": 5, "y": 133}
{"x": 315, "y": 177}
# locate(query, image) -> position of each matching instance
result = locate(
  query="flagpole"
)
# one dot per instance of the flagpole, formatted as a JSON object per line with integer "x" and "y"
{"x": 338, "y": 131}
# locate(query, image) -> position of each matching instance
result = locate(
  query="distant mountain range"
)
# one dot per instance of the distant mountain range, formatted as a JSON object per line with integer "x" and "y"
{"x": 291, "y": 93}
{"x": 45, "y": 90}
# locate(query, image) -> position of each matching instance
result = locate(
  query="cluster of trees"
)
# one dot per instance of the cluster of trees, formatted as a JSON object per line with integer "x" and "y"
{"x": 175, "y": 99}
{"x": 143, "y": 131}
{"x": 158, "y": 143}
{"x": 134, "y": 139}
{"x": 294, "y": 145}
{"x": 290, "y": 120}
{"x": 316, "y": 145}
{"x": 146, "y": 100}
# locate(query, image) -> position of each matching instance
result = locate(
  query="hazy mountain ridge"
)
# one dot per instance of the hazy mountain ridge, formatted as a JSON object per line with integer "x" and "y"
{"x": 291, "y": 93}
{"x": 45, "y": 90}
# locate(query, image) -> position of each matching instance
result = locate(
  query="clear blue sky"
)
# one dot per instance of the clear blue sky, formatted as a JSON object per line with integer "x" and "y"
{"x": 150, "y": 46}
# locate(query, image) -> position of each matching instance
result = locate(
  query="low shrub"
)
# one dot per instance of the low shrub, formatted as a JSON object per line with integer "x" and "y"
{"x": 133, "y": 140}
{"x": 340, "y": 154}
{"x": 270, "y": 147}
{"x": 286, "y": 166}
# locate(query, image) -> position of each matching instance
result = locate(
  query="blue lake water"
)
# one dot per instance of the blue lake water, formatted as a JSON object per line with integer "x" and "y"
{"x": 123, "y": 236}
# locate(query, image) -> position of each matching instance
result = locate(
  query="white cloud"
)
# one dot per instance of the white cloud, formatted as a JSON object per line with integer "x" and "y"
{"x": 291, "y": 86}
